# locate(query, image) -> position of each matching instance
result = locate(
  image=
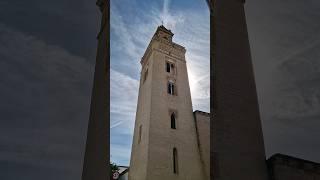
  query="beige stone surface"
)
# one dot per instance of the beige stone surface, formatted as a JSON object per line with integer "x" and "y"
{"x": 152, "y": 158}
{"x": 202, "y": 120}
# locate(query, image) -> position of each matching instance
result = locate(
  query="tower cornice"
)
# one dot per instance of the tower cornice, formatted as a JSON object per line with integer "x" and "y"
{"x": 172, "y": 49}
{"x": 162, "y": 28}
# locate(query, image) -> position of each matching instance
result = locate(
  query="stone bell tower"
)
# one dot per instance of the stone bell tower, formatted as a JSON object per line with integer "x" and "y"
{"x": 165, "y": 141}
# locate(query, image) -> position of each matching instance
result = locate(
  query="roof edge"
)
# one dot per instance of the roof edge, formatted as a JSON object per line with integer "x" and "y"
{"x": 276, "y": 156}
{"x": 201, "y": 112}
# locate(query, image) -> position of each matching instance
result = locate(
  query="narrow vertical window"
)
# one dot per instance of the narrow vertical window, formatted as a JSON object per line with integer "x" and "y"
{"x": 168, "y": 67}
{"x": 175, "y": 161}
{"x": 140, "y": 131}
{"x": 171, "y": 67}
{"x": 173, "y": 121}
{"x": 171, "y": 88}
{"x": 145, "y": 75}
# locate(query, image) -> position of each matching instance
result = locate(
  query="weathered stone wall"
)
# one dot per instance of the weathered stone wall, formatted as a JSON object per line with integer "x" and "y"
{"x": 283, "y": 167}
{"x": 202, "y": 120}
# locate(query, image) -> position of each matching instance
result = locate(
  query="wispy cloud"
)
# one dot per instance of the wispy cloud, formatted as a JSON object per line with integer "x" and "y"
{"x": 125, "y": 42}
{"x": 170, "y": 20}
{"x": 116, "y": 124}
{"x": 123, "y": 96}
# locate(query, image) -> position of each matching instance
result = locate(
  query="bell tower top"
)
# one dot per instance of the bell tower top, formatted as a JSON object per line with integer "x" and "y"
{"x": 162, "y": 41}
{"x": 163, "y": 33}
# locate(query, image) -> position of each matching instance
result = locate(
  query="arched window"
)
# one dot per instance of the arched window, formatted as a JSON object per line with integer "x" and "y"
{"x": 175, "y": 161}
{"x": 173, "y": 121}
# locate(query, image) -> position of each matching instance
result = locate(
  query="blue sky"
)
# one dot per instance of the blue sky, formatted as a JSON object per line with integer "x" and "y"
{"x": 133, "y": 23}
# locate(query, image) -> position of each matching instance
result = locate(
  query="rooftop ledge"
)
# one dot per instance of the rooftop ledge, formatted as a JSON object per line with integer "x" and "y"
{"x": 294, "y": 162}
{"x": 202, "y": 112}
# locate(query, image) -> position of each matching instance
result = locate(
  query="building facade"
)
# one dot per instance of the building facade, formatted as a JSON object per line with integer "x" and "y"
{"x": 166, "y": 143}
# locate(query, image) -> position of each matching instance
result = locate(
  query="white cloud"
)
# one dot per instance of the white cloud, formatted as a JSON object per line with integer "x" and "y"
{"x": 124, "y": 93}
{"x": 168, "y": 19}
{"x": 126, "y": 43}
{"x": 123, "y": 96}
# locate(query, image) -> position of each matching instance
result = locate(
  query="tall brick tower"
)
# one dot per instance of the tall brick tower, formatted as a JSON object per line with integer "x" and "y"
{"x": 165, "y": 141}
{"x": 237, "y": 134}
